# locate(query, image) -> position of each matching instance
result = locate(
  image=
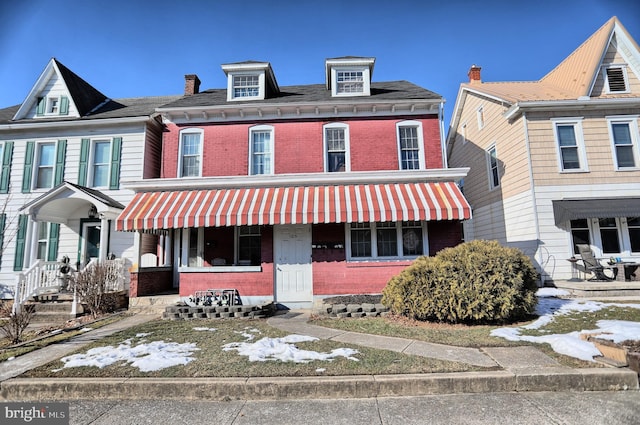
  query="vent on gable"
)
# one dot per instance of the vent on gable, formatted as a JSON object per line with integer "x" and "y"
{"x": 616, "y": 80}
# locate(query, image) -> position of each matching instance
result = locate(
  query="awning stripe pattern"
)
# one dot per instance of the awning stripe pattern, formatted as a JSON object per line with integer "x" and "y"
{"x": 294, "y": 205}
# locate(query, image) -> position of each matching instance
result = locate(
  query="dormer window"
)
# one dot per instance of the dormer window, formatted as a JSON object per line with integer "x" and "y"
{"x": 250, "y": 81}
{"x": 349, "y": 76}
{"x": 52, "y": 105}
{"x": 616, "y": 79}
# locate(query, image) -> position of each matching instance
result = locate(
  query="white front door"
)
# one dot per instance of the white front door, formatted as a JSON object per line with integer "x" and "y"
{"x": 292, "y": 254}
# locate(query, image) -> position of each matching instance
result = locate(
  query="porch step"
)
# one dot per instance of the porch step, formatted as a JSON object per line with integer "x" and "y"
{"x": 154, "y": 304}
{"x": 594, "y": 289}
{"x": 54, "y": 312}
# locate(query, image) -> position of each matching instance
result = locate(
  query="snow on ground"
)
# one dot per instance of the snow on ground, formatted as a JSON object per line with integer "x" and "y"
{"x": 571, "y": 344}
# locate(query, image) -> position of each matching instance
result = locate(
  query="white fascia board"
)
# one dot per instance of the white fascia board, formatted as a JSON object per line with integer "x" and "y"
{"x": 312, "y": 179}
{"x": 73, "y": 123}
{"x": 574, "y": 104}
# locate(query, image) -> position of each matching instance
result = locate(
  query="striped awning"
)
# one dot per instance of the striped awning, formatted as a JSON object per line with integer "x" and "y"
{"x": 293, "y": 205}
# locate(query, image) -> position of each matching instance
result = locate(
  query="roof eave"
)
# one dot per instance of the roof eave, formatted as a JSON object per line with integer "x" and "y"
{"x": 570, "y": 104}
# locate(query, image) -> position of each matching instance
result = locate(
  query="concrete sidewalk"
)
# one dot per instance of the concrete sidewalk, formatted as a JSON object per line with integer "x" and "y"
{"x": 522, "y": 369}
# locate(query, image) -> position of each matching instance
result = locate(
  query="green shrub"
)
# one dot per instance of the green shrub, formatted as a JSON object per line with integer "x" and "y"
{"x": 478, "y": 281}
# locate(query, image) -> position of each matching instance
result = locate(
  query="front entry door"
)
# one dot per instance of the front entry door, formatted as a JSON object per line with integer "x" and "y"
{"x": 292, "y": 257}
{"x": 90, "y": 242}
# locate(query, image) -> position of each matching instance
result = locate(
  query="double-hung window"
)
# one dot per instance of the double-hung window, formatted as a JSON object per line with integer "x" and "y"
{"x": 261, "y": 150}
{"x": 633, "y": 226}
{"x": 624, "y": 136}
{"x": 570, "y": 145}
{"x": 350, "y": 81}
{"x": 45, "y": 165}
{"x": 386, "y": 240}
{"x": 609, "y": 235}
{"x": 492, "y": 167}
{"x": 190, "y": 162}
{"x": 410, "y": 144}
{"x": 336, "y": 142}
{"x": 249, "y": 249}
{"x": 580, "y": 233}
{"x": 43, "y": 241}
{"x": 101, "y": 163}
{"x": 246, "y": 86}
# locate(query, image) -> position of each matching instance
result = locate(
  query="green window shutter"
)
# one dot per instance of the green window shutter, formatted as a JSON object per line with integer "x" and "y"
{"x": 27, "y": 172}
{"x": 41, "y": 105}
{"x": 116, "y": 150}
{"x": 60, "y": 154}
{"x": 54, "y": 236}
{"x": 6, "y": 167}
{"x": 3, "y": 221}
{"x": 84, "y": 162}
{"x": 18, "y": 261}
{"x": 64, "y": 105}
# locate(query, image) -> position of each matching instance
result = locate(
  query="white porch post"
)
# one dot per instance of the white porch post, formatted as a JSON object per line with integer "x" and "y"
{"x": 32, "y": 240}
{"x": 167, "y": 241}
{"x": 104, "y": 233}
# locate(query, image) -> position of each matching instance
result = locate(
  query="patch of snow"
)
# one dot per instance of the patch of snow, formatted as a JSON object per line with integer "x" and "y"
{"x": 284, "y": 350}
{"x": 551, "y": 292}
{"x": 200, "y": 328}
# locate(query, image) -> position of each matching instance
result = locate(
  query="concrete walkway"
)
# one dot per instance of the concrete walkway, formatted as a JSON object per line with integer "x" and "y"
{"x": 521, "y": 369}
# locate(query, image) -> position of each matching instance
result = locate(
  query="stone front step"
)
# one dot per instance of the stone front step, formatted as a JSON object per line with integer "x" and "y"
{"x": 55, "y": 312}
{"x": 155, "y": 304}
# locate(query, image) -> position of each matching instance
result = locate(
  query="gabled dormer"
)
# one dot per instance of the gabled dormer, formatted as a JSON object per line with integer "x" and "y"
{"x": 59, "y": 93}
{"x": 349, "y": 76}
{"x": 250, "y": 80}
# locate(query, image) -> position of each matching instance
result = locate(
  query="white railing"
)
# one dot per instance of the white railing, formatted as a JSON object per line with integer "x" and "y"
{"x": 45, "y": 276}
{"x": 41, "y": 277}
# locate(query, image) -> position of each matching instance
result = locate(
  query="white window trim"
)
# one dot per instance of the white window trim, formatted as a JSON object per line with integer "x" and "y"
{"x": 374, "y": 245}
{"x": 463, "y": 133}
{"x": 421, "y": 154}
{"x": 184, "y": 255}
{"x": 272, "y": 162}
{"x": 623, "y": 67}
{"x": 49, "y": 100}
{"x": 582, "y": 156}
{"x": 189, "y": 131}
{"x": 261, "y": 85}
{"x": 347, "y": 145}
{"x": 91, "y": 162}
{"x": 480, "y": 117}
{"x": 366, "y": 80}
{"x": 632, "y": 120}
{"x": 36, "y": 165}
{"x": 493, "y": 186}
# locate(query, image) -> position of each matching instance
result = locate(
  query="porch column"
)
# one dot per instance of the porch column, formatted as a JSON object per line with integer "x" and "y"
{"x": 167, "y": 242}
{"x": 104, "y": 236}
{"x": 32, "y": 240}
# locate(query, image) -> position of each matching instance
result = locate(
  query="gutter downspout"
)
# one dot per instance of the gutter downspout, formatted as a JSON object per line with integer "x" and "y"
{"x": 536, "y": 223}
{"x": 442, "y": 139}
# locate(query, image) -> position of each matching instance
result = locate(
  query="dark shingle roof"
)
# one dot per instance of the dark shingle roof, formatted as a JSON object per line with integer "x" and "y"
{"x": 84, "y": 95}
{"x": 112, "y": 108}
{"x": 392, "y": 90}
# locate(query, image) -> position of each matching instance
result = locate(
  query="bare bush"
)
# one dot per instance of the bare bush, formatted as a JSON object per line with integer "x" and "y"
{"x": 90, "y": 285}
{"x": 15, "y": 324}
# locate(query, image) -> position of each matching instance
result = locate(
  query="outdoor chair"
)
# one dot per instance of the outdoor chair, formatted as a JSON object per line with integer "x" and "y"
{"x": 593, "y": 266}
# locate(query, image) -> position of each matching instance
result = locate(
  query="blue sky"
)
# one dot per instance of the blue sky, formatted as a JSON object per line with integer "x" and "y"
{"x": 144, "y": 48}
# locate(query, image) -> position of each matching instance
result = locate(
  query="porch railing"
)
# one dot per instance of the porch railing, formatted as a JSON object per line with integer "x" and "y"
{"x": 45, "y": 276}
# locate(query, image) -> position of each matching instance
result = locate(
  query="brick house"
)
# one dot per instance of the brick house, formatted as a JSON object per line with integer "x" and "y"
{"x": 292, "y": 194}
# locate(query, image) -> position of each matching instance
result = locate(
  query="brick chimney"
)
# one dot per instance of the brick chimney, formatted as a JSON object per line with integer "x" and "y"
{"x": 474, "y": 74}
{"x": 191, "y": 84}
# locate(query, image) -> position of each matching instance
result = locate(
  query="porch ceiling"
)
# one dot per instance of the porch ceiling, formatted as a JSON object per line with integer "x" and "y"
{"x": 573, "y": 209}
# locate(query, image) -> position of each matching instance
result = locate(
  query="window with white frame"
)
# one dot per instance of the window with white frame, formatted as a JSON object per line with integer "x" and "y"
{"x": 246, "y": 86}
{"x": 570, "y": 146}
{"x": 349, "y": 81}
{"x": 53, "y": 105}
{"x": 386, "y": 240}
{"x": 492, "y": 167}
{"x": 624, "y": 136}
{"x": 249, "y": 245}
{"x": 410, "y": 144}
{"x": 580, "y": 233}
{"x": 45, "y": 165}
{"x": 193, "y": 240}
{"x": 43, "y": 241}
{"x": 101, "y": 163}
{"x": 190, "y": 157}
{"x": 336, "y": 142}
{"x": 609, "y": 235}
{"x": 261, "y": 150}
{"x": 480, "y": 117}
{"x": 616, "y": 79}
